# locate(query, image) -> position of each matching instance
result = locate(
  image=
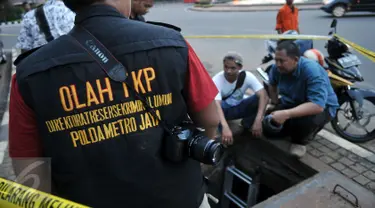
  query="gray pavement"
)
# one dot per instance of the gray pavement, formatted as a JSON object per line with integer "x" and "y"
{"x": 351, "y": 165}
{"x": 9, "y": 41}
{"x": 358, "y": 28}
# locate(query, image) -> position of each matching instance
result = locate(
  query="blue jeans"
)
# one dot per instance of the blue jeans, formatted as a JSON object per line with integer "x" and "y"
{"x": 247, "y": 110}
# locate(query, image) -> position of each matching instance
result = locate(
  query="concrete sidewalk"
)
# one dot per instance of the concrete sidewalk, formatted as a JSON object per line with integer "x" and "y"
{"x": 250, "y": 8}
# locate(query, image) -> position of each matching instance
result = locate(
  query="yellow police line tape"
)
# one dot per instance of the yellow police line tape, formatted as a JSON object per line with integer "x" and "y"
{"x": 369, "y": 54}
{"x": 14, "y": 195}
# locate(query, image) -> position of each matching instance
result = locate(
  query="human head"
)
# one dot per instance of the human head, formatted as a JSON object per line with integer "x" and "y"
{"x": 141, "y": 7}
{"x": 232, "y": 65}
{"x": 26, "y": 6}
{"x": 289, "y": 2}
{"x": 123, "y": 6}
{"x": 287, "y": 56}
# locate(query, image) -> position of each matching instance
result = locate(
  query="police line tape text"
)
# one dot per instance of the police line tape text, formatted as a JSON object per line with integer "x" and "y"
{"x": 69, "y": 95}
{"x": 24, "y": 197}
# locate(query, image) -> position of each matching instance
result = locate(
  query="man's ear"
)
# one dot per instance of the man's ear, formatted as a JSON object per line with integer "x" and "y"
{"x": 296, "y": 58}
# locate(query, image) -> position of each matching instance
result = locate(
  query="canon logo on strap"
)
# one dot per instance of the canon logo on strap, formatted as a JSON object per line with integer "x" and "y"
{"x": 97, "y": 51}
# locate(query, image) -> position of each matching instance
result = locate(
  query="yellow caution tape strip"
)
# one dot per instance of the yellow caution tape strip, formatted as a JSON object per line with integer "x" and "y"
{"x": 260, "y": 36}
{"x": 369, "y": 54}
{"x": 14, "y": 195}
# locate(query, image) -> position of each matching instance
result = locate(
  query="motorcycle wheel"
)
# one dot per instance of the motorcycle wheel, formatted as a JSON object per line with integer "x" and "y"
{"x": 350, "y": 137}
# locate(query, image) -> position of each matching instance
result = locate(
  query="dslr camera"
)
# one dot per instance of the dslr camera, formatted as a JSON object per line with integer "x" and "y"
{"x": 186, "y": 141}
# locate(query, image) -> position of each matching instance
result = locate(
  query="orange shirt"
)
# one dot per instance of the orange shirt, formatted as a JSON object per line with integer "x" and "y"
{"x": 286, "y": 20}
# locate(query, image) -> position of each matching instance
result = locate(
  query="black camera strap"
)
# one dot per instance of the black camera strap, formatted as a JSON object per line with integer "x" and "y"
{"x": 110, "y": 65}
{"x": 42, "y": 22}
{"x": 240, "y": 81}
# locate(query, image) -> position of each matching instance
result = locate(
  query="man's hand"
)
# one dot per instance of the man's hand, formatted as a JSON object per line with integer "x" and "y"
{"x": 227, "y": 136}
{"x": 280, "y": 116}
{"x": 257, "y": 128}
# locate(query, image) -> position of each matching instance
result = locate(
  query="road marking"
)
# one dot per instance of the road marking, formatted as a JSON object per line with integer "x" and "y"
{"x": 10, "y": 25}
{"x": 346, "y": 144}
{"x": 3, "y": 146}
{"x": 8, "y": 35}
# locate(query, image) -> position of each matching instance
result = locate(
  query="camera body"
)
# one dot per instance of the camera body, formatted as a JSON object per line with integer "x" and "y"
{"x": 186, "y": 141}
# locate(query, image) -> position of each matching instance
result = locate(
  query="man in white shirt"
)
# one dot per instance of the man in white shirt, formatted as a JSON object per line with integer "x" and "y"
{"x": 231, "y": 102}
{"x": 60, "y": 21}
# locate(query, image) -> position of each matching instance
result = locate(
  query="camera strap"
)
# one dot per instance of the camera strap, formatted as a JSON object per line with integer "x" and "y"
{"x": 240, "y": 81}
{"x": 110, "y": 65}
{"x": 42, "y": 22}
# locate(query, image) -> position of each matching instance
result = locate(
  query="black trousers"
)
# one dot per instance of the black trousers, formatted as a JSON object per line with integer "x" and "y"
{"x": 301, "y": 130}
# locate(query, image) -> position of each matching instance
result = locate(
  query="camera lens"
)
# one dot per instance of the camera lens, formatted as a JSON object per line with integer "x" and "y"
{"x": 205, "y": 150}
{"x": 215, "y": 152}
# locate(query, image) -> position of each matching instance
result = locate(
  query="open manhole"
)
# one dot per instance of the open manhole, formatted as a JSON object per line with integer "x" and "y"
{"x": 278, "y": 180}
{"x": 271, "y": 171}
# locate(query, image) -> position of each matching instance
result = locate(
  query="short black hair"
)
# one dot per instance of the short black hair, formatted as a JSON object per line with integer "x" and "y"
{"x": 76, "y": 5}
{"x": 290, "y": 47}
{"x": 234, "y": 56}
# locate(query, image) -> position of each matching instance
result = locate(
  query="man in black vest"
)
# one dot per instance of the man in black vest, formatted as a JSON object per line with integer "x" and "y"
{"x": 105, "y": 148}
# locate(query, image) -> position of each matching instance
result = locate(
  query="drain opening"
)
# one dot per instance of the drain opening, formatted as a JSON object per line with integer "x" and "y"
{"x": 272, "y": 171}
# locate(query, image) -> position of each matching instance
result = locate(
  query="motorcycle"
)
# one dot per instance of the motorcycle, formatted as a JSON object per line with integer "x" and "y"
{"x": 342, "y": 67}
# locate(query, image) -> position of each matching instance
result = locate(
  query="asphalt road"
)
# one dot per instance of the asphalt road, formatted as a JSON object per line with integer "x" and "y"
{"x": 356, "y": 27}
{"x": 9, "y": 41}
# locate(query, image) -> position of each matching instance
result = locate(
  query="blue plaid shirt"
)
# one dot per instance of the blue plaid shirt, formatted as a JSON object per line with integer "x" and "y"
{"x": 308, "y": 83}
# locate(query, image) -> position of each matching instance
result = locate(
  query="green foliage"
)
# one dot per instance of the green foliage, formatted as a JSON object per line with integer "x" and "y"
{"x": 8, "y": 12}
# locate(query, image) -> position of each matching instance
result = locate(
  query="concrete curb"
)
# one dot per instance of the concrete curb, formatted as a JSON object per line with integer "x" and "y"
{"x": 252, "y": 8}
{"x": 11, "y": 23}
{"x": 5, "y": 116}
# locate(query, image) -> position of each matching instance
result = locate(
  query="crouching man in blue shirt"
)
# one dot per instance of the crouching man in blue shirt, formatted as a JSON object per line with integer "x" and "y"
{"x": 307, "y": 100}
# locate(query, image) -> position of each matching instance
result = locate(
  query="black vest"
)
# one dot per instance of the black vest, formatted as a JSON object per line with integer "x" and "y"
{"x": 104, "y": 146}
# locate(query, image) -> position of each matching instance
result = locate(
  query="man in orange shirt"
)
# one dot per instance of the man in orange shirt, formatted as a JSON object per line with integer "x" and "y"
{"x": 287, "y": 18}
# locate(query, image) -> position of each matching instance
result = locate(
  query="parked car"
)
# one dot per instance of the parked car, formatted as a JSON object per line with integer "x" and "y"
{"x": 339, "y": 7}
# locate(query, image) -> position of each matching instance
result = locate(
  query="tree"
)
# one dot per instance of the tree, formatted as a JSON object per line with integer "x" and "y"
{"x": 8, "y": 12}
